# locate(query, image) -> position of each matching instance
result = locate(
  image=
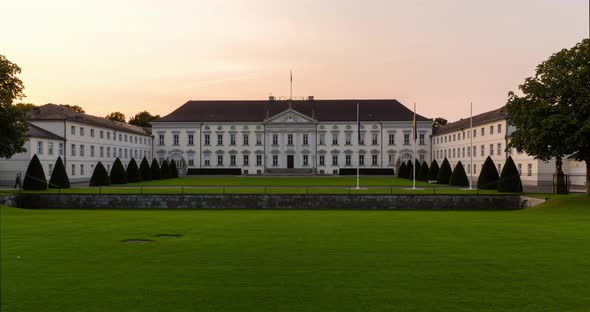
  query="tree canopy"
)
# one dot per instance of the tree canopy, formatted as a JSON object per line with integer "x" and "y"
{"x": 552, "y": 116}
{"x": 439, "y": 121}
{"x": 143, "y": 119}
{"x": 116, "y": 116}
{"x": 75, "y": 108}
{"x": 13, "y": 126}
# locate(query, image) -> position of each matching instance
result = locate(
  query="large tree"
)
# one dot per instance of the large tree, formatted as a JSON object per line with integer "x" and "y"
{"x": 13, "y": 126}
{"x": 439, "y": 121}
{"x": 143, "y": 119}
{"x": 552, "y": 116}
{"x": 25, "y": 107}
{"x": 116, "y": 116}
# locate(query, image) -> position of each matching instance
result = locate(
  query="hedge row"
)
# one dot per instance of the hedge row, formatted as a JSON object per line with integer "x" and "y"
{"x": 133, "y": 173}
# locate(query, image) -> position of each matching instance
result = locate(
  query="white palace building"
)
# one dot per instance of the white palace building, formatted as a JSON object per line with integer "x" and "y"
{"x": 289, "y": 136}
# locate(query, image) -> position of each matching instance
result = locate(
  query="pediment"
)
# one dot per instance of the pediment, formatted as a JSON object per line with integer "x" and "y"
{"x": 290, "y": 116}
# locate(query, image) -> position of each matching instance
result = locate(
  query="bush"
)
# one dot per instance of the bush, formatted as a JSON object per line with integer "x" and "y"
{"x": 165, "y": 169}
{"x": 410, "y": 170}
{"x": 173, "y": 169}
{"x": 488, "y": 176}
{"x": 433, "y": 172}
{"x": 118, "y": 175}
{"x": 423, "y": 172}
{"x": 444, "y": 173}
{"x": 403, "y": 171}
{"x": 35, "y": 177}
{"x": 59, "y": 176}
{"x": 132, "y": 172}
{"x": 459, "y": 177}
{"x": 510, "y": 178}
{"x": 100, "y": 176}
{"x": 145, "y": 171}
{"x": 156, "y": 171}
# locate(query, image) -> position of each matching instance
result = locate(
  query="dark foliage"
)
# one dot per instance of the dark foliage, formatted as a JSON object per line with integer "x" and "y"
{"x": 156, "y": 171}
{"x": 433, "y": 172}
{"x": 100, "y": 176}
{"x": 403, "y": 171}
{"x": 444, "y": 173}
{"x": 173, "y": 170}
{"x": 510, "y": 178}
{"x": 145, "y": 171}
{"x": 132, "y": 171}
{"x": 35, "y": 179}
{"x": 423, "y": 172}
{"x": 410, "y": 170}
{"x": 459, "y": 177}
{"x": 118, "y": 175}
{"x": 488, "y": 176}
{"x": 59, "y": 176}
{"x": 165, "y": 169}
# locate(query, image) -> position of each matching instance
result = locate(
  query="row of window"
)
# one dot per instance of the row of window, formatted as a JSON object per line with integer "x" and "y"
{"x": 123, "y": 152}
{"x": 461, "y": 136}
{"x": 459, "y": 152}
{"x": 275, "y": 160}
{"x": 290, "y": 139}
{"x": 101, "y": 134}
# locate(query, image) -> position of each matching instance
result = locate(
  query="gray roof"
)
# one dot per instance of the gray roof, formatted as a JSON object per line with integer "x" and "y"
{"x": 496, "y": 114}
{"x": 56, "y": 112}
{"x": 259, "y": 110}
{"x": 36, "y": 132}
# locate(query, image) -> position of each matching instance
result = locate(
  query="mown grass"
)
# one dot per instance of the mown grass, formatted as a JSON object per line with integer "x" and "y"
{"x": 236, "y": 260}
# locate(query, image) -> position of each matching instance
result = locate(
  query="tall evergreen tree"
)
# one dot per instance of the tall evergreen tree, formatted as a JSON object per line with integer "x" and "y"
{"x": 423, "y": 173}
{"x": 165, "y": 169}
{"x": 118, "y": 175}
{"x": 403, "y": 171}
{"x": 410, "y": 169}
{"x": 100, "y": 176}
{"x": 173, "y": 169}
{"x": 510, "y": 178}
{"x": 459, "y": 177}
{"x": 132, "y": 172}
{"x": 35, "y": 176}
{"x": 59, "y": 176}
{"x": 156, "y": 171}
{"x": 433, "y": 172}
{"x": 488, "y": 176}
{"x": 145, "y": 170}
{"x": 444, "y": 173}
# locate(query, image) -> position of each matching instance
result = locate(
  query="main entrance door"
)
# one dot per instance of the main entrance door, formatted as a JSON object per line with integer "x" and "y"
{"x": 290, "y": 161}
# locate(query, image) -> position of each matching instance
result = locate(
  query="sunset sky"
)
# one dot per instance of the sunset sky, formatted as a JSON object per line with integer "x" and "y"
{"x": 130, "y": 56}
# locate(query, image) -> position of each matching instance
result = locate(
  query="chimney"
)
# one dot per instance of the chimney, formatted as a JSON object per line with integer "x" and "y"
{"x": 310, "y": 97}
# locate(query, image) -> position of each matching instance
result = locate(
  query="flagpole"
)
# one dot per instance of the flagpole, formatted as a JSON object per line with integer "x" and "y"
{"x": 290, "y": 84}
{"x": 471, "y": 143}
{"x": 413, "y": 160}
{"x": 358, "y": 130}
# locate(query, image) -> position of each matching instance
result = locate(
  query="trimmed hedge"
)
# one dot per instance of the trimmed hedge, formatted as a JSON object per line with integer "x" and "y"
{"x": 433, "y": 172}
{"x": 459, "y": 177}
{"x": 145, "y": 171}
{"x": 410, "y": 170}
{"x": 214, "y": 171}
{"x": 35, "y": 177}
{"x": 156, "y": 171}
{"x": 423, "y": 172}
{"x": 165, "y": 169}
{"x": 100, "y": 176}
{"x": 59, "y": 176}
{"x": 444, "y": 173}
{"x": 488, "y": 176}
{"x": 173, "y": 169}
{"x": 403, "y": 171}
{"x": 510, "y": 178}
{"x": 132, "y": 172}
{"x": 118, "y": 175}
{"x": 366, "y": 171}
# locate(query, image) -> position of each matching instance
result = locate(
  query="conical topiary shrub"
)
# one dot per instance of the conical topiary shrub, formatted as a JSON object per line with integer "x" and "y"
{"x": 459, "y": 177}
{"x": 100, "y": 176}
{"x": 132, "y": 172}
{"x": 156, "y": 171}
{"x": 59, "y": 176}
{"x": 410, "y": 170}
{"x": 423, "y": 173}
{"x": 118, "y": 175}
{"x": 173, "y": 169}
{"x": 510, "y": 178}
{"x": 444, "y": 173}
{"x": 433, "y": 171}
{"x": 145, "y": 171}
{"x": 403, "y": 171}
{"x": 35, "y": 177}
{"x": 488, "y": 176}
{"x": 165, "y": 169}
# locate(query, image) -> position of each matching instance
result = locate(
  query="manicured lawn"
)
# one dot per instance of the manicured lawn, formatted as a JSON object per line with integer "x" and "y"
{"x": 235, "y": 260}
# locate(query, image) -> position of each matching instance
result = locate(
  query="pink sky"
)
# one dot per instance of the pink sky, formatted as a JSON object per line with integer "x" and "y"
{"x": 131, "y": 56}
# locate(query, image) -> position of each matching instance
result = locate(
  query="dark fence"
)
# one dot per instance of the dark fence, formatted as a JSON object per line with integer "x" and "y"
{"x": 214, "y": 171}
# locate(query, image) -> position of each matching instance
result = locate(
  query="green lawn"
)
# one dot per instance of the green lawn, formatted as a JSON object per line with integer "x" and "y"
{"x": 234, "y": 260}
